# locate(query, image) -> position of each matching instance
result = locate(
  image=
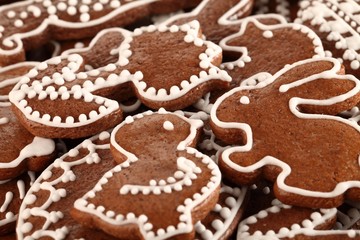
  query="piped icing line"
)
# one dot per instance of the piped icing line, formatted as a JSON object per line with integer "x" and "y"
{"x": 13, "y": 81}
{"x": 9, "y": 196}
{"x": 307, "y": 226}
{"x": 185, "y": 220}
{"x": 41, "y": 183}
{"x": 44, "y": 89}
{"x": 227, "y": 212}
{"x": 34, "y": 149}
{"x": 336, "y": 19}
{"x": 229, "y": 18}
{"x": 245, "y": 57}
{"x": 53, "y": 20}
{"x": 293, "y": 103}
{"x": 208, "y": 73}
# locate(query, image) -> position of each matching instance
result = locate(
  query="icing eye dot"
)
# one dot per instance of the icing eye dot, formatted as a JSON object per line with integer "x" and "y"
{"x": 268, "y": 34}
{"x": 168, "y": 126}
{"x": 244, "y": 100}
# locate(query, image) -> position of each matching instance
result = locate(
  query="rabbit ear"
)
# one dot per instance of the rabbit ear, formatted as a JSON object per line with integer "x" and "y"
{"x": 323, "y": 90}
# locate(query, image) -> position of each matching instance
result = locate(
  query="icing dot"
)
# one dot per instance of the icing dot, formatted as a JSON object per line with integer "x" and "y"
{"x": 244, "y": 100}
{"x": 18, "y": 23}
{"x": 85, "y": 17}
{"x": 268, "y": 34}
{"x": 11, "y": 14}
{"x": 168, "y": 126}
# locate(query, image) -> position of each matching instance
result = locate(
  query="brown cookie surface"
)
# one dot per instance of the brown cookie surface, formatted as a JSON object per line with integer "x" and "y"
{"x": 45, "y": 211}
{"x": 285, "y": 133}
{"x": 12, "y": 192}
{"x": 29, "y": 24}
{"x": 180, "y": 184}
{"x": 218, "y": 19}
{"x": 267, "y": 47}
{"x": 20, "y": 150}
{"x": 48, "y": 100}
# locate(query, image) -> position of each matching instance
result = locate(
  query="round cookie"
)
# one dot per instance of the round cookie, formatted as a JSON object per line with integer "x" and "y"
{"x": 300, "y": 99}
{"x": 61, "y": 98}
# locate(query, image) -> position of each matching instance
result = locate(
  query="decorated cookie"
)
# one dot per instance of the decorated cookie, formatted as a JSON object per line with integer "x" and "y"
{"x": 180, "y": 184}
{"x": 31, "y": 23}
{"x": 218, "y": 19}
{"x": 261, "y": 47}
{"x": 285, "y": 133}
{"x": 12, "y": 192}
{"x": 72, "y": 177}
{"x": 71, "y": 96}
{"x": 286, "y": 8}
{"x": 225, "y": 216}
{"x": 338, "y": 25}
{"x": 282, "y": 221}
{"x": 19, "y": 150}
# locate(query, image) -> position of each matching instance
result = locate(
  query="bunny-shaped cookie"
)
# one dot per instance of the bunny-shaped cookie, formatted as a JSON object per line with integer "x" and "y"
{"x": 287, "y": 134}
{"x": 71, "y": 96}
{"x": 29, "y": 24}
{"x": 218, "y": 19}
{"x": 162, "y": 185}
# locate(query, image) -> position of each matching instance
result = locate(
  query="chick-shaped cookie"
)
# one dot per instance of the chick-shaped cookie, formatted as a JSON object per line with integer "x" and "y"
{"x": 162, "y": 185}
{"x": 286, "y": 132}
{"x": 72, "y": 95}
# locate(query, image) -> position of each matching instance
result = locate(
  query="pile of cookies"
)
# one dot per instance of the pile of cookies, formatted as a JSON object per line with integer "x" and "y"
{"x": 168, "y": 119}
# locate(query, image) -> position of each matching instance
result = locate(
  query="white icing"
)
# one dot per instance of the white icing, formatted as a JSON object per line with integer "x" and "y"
{"x": 293, "y": 104}
{"x": 340, "y": 21}
{"x": 221, "y": 226}
{"x": 168, "y": 126}
{"x": 50, "y": 18}
{"x": 55, "y": 194}
{"x": 42, "y": 90}
{"x": 187, "y": 170}
{"x": 225, "y": 19}
{"x": 267, "y": 33}
{"x": 308, "y": 227}
{"x": 34, "y": 149}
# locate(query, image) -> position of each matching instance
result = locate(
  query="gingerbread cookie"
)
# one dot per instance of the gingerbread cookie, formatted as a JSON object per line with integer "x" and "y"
{"x": 20, "y": 150}
{"x": 282, "y": 221}
{"x": 60, "y": 98}
{"x": 291, "y": 146}
{"x": 75, "y": 174}
{"x": 225, "y": 216}
{"x": 337, "y": 24}
{"x": 218, "y": 19}
{"x": 261, "y": 47}
{"x": 12, "y": 192}
{"x": 180, "y": 184}
{"x": 30, "y": 24}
